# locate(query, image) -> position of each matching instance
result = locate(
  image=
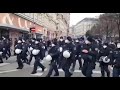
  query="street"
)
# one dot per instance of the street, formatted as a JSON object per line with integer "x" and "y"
{"x": 8, "y": 69}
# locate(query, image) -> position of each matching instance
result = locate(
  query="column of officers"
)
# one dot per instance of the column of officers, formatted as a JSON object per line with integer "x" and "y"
{"x": 63, "y": 54}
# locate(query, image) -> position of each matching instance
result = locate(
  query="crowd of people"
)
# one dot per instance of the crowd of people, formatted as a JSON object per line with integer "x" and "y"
{"x": 63, "y": 53}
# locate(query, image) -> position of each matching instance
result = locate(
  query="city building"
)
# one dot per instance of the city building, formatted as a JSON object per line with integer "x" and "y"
{"x": 83, "y": 26}
{"x": 47, "y": 25}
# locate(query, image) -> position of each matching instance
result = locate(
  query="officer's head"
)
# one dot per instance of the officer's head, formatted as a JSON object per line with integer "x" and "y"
{"x": 61, "y": 38}
{"x": 105, "y": 45}
{"x": 54, "y": 41}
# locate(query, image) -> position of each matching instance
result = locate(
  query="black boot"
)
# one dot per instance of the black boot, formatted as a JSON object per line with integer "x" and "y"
{"x": 33, "y": 72}
{"x": 56, "y": 74}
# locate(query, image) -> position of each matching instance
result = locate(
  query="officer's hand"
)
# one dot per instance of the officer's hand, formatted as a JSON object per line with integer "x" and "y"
{"x": 85, "y": 51}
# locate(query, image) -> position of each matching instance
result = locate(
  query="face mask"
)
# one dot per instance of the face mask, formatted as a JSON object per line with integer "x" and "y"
{"x": 104, "y": 46}
{"x": 61, "y": 39}
{"x": 66, "y": 41}
{"x": 118, "y": 45}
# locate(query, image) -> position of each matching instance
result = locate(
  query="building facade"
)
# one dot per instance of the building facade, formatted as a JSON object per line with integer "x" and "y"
{"x": 83, "y": 26}
{"x": 47, "y": 25}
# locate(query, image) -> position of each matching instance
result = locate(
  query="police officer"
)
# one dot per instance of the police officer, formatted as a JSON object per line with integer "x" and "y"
{"x": 61, "y": 43}
{"x": 37, "y": 52}
{"x": 87, "y": 55}
{"x": 116, "y": 61}
{"x": 18, "y": 51}
{"x": 67, "y": 62}
{"x": 104, "y": 54}
{"x": 5, "y": 54}
{"x": 31, "y": 46}
{"x": 1, "y": 51}
{"x": 54, "y": 53}
{"x": 78, "y": 46}
{"x": 24, "y": 51}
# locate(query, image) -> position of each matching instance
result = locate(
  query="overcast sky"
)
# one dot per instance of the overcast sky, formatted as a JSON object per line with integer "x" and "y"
{"x": 76, "y": 17}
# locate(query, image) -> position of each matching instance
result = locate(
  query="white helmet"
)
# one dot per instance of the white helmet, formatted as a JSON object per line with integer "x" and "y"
{"x": 35, "y": 51}
{"x": 66, "y": 54}
{"x": 19, "y": 41}
{"x": 1, "y": 53}
{"x": 31, "y": 48}
{"x": 76, "y": 40}
{"x": 118, "y": 45}
{"x": 61, "y": 49}
{"x": 48, "y": 58}
{"x": 106, "y": 60}
{"x": 66, "y": 41}
{"x": 18, "y": 51}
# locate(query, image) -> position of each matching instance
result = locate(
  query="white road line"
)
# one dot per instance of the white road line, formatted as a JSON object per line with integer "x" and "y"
{"x": 3, "y": 64}
{"x": 9, "y": 71}
{"x": 60, "y": 70}
{"x": 40, "y": 69}
{"x": 37, "y": 74}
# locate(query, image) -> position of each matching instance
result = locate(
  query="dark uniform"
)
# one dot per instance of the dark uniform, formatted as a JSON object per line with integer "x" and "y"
{"x": 116, "y": 62}
{"x": 24, "y": 52}
{"x": 19, "y": 56}
{"x": 88, "y": 58}
{"x": 1, "y": 51}
{"x": 104, "y": 66}
{"x": 38, "y": 57}
{"x": 66, "y": 63}
{"x": 54, "y": 52}
{"x": 61, "y": 43}
{"x": 79, "y": 47}
{"x": 32, "y": 44}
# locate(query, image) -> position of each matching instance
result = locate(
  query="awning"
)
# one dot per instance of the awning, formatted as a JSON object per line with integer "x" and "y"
{"x": 7, "y": 26}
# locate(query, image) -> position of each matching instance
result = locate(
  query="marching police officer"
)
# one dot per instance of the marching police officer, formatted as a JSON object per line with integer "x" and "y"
{"x": 78, "y": 53}
{"x": 54, "y": 53}
{"x": 104, "y": 55}
{"x": 1, "y": 51}
{"x": 24, "y": 51}
{"x": 116, "y": 61}
{"x": 69, "y": 56}
{"x": 61, "y": 43}
{"x": 31, "y": 46}
{"x": 5, "y": 54}
{"x": 18, "y": 51}
{"x": 37, "y": 52}
{"x": 88, "y": 53}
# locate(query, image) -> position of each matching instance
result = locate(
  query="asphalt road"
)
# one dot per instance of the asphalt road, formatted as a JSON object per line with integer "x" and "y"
{"x": 8, "y": 69}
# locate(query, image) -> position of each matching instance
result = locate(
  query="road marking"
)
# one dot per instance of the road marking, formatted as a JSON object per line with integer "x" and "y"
{"x": 40, "y": 69}
{"x": 9, "y": 71}
{"x": 3, "y": 64}
{"x": 37, "y": 74}
{"x": 60, "y": 70}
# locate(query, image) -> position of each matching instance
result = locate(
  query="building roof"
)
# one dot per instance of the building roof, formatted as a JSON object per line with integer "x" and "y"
{"x": 87, "y": 19}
